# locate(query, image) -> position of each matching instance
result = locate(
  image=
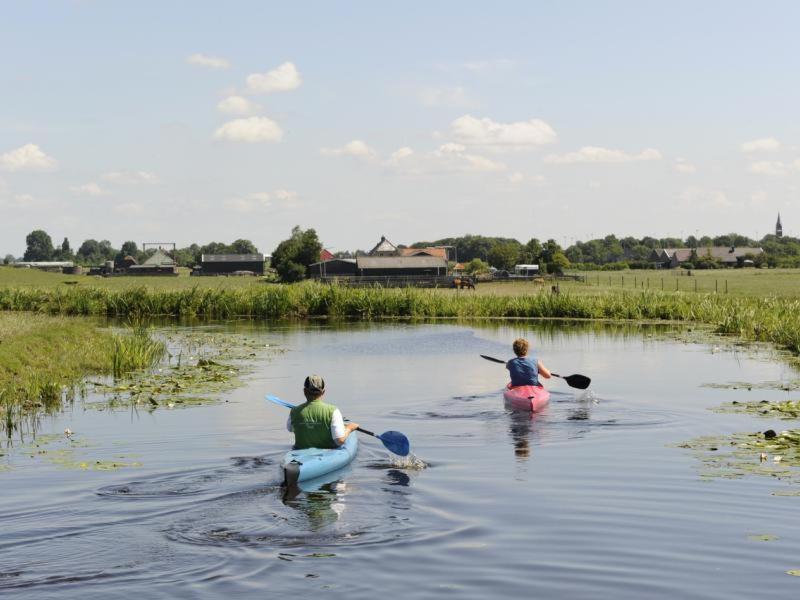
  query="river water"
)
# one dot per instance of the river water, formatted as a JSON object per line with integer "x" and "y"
{"x": 592, "y": 498}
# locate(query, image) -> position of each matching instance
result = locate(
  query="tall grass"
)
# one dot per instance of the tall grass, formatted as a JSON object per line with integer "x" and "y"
{"x": 43, "y": 358}
{"x": 775, "y": 320}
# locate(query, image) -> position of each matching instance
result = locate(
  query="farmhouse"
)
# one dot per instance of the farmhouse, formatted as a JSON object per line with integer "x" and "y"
{"x": 386, "y": 260}
{"x": 728, "y": 256}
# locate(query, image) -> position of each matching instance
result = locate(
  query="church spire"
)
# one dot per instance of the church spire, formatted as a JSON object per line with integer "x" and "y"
{"x": 779, "y": 227}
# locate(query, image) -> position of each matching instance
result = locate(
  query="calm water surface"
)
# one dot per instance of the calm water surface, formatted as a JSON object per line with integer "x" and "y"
{"x": 587, "y": 500}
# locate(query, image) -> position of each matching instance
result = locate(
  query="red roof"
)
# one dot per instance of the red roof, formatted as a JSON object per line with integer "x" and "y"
{"x": 325, "y": 255}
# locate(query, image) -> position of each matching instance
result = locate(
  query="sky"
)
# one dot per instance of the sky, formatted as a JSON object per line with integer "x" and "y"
{"x": 196, "y": 121}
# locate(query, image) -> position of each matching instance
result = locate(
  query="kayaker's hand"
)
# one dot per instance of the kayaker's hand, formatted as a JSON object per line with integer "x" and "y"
{"x": 351, "y": 427}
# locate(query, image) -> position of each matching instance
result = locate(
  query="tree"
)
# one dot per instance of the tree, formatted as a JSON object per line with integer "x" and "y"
{"x": 475, "y": 266}
{"x": 9, "y": 259}
{"x": 89, "y": 252}
{"x": 243, "y": 247}
{"x": 559, "y": 263}
{"x": 504, "y": 255}
{"x": 39, "y": 246}
{"x": 63, "y": 253}
{"x": 292, "y": 257}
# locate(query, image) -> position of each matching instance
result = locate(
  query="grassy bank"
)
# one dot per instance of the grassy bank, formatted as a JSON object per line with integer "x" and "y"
{"x": 43, "y": 358}
{"x": 775, "y": 320}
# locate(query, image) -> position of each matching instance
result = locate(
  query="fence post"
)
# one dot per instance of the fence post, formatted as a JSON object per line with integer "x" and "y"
{"x": 695, "y": 284}
{"x": 726, "y": 286}
{"x": 716, "y": 286}
{"x": 648, "y": 283}
{"x": 623, "y": 280}
{"x": 677, "y": 281}
{"x": 662, "y": 284}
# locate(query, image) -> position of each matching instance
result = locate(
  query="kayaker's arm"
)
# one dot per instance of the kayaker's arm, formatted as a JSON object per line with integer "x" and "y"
{"x": 348, "y": 429}
{"x": 543, "y": 371}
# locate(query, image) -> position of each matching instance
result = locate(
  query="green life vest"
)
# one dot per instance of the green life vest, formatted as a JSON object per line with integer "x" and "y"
{"x": 311, "y": 423}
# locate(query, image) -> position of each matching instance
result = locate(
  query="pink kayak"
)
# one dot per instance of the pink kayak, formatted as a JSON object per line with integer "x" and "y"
{"x": 526, "y": 397}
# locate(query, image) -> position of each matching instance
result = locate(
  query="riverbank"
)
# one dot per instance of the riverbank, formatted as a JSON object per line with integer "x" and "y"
{"x": 766, "y": 319}
{"x": 44, "y": 358}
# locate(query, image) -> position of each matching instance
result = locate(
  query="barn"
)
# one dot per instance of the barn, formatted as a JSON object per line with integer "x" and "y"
{"x": 335, "y": 267}
{"x": 228, "y": 264}
{"x": 401, "y": 266}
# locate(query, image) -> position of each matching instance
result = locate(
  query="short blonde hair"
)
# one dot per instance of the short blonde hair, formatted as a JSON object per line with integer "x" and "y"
{"x": 521, "y": 346}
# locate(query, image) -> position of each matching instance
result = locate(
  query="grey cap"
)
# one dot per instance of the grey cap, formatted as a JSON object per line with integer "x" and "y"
{"x": 314, "y": 383}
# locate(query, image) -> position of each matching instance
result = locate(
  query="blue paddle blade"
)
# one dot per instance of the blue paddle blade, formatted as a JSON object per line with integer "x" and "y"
{"x": 277, "y": 400}
{"x": 395, "y": 442}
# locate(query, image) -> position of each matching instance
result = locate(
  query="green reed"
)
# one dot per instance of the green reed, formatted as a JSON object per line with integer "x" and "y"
{"x": 775, "y": 320}
{"x": 43, "y": 360}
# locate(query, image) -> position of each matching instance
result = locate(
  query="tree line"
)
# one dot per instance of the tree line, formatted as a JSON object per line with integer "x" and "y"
{"x": 479, "y": 253}
{"x": 39, "y": 248}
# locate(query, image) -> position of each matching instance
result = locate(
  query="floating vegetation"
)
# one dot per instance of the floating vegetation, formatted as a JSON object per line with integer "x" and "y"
{"x": 786, "y": 386}
{"x": 195, "y": 374}
{"x": 767, "y": 453}
{"x": 73, "y": 452}
{"x": 788, "y": 409}
{"x": 764, "y": 537}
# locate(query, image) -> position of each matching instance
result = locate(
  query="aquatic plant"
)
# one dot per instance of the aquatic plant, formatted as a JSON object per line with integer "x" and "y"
{"x": 43, "y": 359}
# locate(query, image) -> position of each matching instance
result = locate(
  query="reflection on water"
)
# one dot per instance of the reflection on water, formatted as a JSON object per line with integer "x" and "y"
{"x": 584, "y": 500}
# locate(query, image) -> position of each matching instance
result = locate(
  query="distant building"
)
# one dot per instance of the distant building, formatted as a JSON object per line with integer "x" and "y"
{"x": 406, "y": 266}
{"x": 526, "y": 270}
{"x": 335, "y": 267}
{"x": 779, "y": 227}
{"x": 384, "y": 248}
{"x": 728, "y": 256}
{"x": 227, "y": 264}
{"x": 325, "y": 255}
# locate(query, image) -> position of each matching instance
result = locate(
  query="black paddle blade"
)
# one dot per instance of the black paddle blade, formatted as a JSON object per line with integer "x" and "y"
{"x": 577, "y": 381}
{"x": 395, "y": 442}
{"x": 497, "y": 360}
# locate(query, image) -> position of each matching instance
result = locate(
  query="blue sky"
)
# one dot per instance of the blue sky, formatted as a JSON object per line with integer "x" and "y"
{"x": 189, "y": 121}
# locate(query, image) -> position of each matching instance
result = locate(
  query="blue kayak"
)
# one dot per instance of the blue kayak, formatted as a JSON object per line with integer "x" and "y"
{"x": 310, "y": 463}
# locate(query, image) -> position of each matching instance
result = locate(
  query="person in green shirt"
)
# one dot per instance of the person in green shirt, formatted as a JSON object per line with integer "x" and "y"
{"x": 315, "y": 423}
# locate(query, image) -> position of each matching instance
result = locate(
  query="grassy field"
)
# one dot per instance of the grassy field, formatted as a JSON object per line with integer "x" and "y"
{"x": 752, "y": 283}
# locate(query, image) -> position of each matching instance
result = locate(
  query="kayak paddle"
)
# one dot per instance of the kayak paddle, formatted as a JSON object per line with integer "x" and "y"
{"x": 395, "y": 442}
{"x": 577, "y": 381}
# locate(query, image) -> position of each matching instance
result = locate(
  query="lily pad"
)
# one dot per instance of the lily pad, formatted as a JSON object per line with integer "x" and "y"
{"x": 765, "y": 537}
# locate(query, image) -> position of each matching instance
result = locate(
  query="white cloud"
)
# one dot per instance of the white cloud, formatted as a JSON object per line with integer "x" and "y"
{"x": 701, "y": 198}
{"x": 261, "y": 200}
{"x": 211, "y": 62}
{"x": 237, "y": 105}
{"x": 516, "y": 178}
{"x": 401, "y": 153}
{"x": 130, "y": 177}
{"x": 761, "y": 145}
{"x": 89, "y": 189}
{"x": 472, "y": 131}
{"x": 253, "y": 129}
{"x": 796, "y": 164}
{"x": 355, "y": 148}
{"x": 283, "y": 78}
{"x": 681, "y": 166}
{"x": 448, "y": 97}
{"x": 768, "y": 167}
{"x": 27, "y": 158}
{"x": 595, "y": 154}
{"x": 448, "y": 158}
